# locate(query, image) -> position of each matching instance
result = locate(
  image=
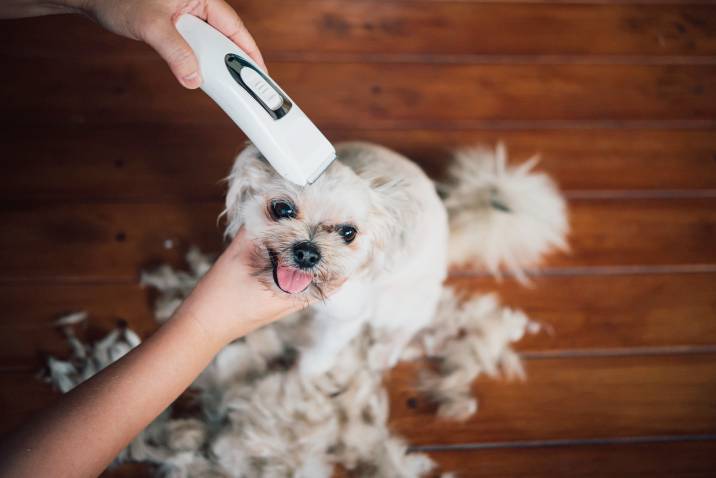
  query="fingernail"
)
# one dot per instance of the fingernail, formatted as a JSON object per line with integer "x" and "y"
{"x": 192, "y": 81}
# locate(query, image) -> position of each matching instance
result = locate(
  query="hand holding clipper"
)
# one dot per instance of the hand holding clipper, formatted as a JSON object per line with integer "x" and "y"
{"x": 290, "y": 142}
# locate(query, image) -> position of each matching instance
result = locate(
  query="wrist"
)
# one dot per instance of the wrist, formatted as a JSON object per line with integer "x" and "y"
{"x": 192, "y": 321}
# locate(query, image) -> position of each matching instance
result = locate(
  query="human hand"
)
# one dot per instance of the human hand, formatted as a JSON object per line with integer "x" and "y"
{"x": 152, "y": 21}
{"x": 230, "y": 301}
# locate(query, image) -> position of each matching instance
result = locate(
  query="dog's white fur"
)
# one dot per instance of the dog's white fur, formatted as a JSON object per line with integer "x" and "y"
{"x": 261, "y": 416}
{"x": 393, "y": 270}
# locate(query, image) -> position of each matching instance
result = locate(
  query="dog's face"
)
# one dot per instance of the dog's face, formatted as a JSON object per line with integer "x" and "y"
{"x": 307, "y": 238}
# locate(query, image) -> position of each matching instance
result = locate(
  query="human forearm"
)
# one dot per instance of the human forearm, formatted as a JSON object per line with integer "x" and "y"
{"x": 83, "y": 433}
{"x": 88, "y": 427}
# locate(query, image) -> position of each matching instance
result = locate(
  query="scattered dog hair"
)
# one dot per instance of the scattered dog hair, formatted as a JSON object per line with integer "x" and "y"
{"x": 255, "y": 411}
{"x": 501, "y": 216}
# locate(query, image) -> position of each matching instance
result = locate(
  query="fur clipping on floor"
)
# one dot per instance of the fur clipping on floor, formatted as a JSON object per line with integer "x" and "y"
{"x": 87, "y": 360}
{"x": 502, "y": 217}
{"x": 175, "y": 285}
{"x": 470, "y": 338}
{"x": 258, "y": 418}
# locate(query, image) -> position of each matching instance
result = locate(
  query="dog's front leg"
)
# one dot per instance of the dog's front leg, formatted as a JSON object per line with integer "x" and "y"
{"x": 329, "y": 335}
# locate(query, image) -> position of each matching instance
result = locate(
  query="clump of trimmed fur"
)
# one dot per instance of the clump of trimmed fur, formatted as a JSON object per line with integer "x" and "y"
{"x": 258, "y": 416}
{"x": 502, "y": 217}
{"x": 470, "y": 338}
{"x": 86, "y": 359}
{"x": 174, "y": 285}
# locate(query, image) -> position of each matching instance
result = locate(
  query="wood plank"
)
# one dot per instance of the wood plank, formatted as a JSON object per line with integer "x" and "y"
{"x": 565, "y": 399}
{"x": 187, "y": 162}
{"x": 608, "y": 314}
{"x": 641, "y": 232}
{"x": 113, "y": 241}
{"x": 586, "y": 398}
{"x": 667, "y": 460}
{"x": 435, "y": 28}
{"x": 102, "y": 241}
{"x": 112, "y": 90}
{"x": 479, "y": 28}
{"x": 586, "y": 313}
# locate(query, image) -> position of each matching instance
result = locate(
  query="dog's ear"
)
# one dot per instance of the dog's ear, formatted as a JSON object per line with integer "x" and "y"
{"x": 393, "y": 218}
{"x": 395, "y": 210}
{"x": 250, "y": 171}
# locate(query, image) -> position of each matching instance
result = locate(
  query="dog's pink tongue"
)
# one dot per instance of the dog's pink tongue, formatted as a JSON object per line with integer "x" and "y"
{"x": 292, "y": 280}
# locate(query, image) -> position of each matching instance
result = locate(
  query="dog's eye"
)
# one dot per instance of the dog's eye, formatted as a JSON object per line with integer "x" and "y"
{"x": 281, "y": 209}
{"x": 348, "y": 233}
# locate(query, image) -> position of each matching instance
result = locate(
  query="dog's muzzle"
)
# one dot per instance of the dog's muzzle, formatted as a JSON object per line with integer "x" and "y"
{"x": 294, "y": 280}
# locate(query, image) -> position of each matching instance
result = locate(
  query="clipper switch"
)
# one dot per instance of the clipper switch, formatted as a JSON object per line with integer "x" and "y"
{"x": 261, "y": 88}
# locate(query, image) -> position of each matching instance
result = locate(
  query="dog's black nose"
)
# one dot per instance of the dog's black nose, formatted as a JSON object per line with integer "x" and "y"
{"x": 306, "y": 254}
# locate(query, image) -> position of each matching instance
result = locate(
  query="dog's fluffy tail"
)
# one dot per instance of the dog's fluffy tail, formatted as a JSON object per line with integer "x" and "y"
{"x": 502, "y": 218}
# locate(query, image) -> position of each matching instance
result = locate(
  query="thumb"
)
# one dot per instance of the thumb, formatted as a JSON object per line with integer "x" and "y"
{"x": 170, "y": 45}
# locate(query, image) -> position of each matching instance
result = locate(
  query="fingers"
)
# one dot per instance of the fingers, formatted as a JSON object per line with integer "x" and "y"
{"x": 224, "y": 18}
{"x": 163, "y": 36}
{"x": 240, "y": 246}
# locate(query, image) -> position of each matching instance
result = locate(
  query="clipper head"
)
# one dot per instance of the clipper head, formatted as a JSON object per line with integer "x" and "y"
{"x": 321, "y": 168}
{"x": 297, "y": 150}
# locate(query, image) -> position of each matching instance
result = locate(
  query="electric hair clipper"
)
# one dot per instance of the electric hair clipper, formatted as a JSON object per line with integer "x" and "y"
{"x": 290, "y": 142}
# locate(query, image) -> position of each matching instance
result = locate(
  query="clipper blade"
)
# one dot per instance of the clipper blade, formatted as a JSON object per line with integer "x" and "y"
{"x": 325, "y": 164}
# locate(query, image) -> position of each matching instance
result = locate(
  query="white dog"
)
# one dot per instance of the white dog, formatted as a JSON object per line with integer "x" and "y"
{"x": 373, "y": 220}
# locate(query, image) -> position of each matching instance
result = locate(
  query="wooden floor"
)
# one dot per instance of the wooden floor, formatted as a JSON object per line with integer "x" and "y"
{"x": 108, "y": 166}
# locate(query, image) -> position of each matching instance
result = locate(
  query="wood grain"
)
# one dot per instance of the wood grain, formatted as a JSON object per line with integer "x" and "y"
{"x": 667, "y": 460}
{"x": 603, "y": 313}
{"x": 100, "y": 241}
{"x": 141, "y": 90}
{"x": 598, "y": 397}
{"x": 626, "y": 314}
{"x": 640, "y": 232}
{"x": 445, "y": 28}
{"x": 187, "y": 162}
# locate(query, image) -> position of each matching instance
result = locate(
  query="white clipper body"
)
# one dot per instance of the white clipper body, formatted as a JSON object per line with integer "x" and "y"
{"x": 293, "y": 145}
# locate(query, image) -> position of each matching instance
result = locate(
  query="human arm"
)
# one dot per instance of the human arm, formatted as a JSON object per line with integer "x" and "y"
{"x": 88, "y": 427}
{"x": 150, "y": 21}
